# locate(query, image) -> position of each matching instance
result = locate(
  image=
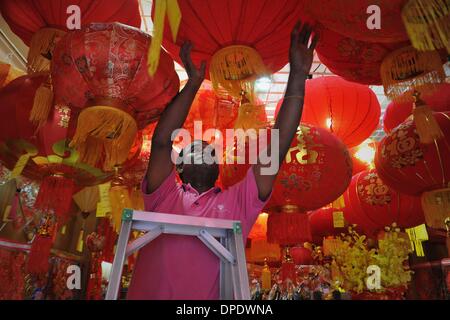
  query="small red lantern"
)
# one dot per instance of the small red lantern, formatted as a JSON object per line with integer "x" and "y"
{"x": 316, "y": 171}
{"x": 353, "y": 60}
{"x": 372, "y": 205}
{"x": 326, "y": 222}
{"x": 102, "y": 71}
{"x": 398, "y": 112}
{"x": 301, "y": 255}
{"x": 352, "y": 19}
{"x": 349, "y": 110}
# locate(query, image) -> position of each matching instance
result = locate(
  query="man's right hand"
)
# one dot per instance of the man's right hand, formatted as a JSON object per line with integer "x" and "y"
{"x": 196, "y": 75}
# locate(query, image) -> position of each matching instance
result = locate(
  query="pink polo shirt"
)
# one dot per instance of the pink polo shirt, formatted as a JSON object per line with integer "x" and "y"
{"x": 182, "y": 267}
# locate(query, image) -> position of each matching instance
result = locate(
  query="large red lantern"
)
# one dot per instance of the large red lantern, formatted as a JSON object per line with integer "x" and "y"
{"x": 352, "y": 18}
{"x": 316, "y": 171}
{"x": 41, "y": 23}
{"x": 240, "y": 40}
{"x": 398, "y": 112}
{"x": 102, "y": 71}
{"x": 44, "y": 155}
{"x": 325, "y": 222}
{"x": 414, "y": 168}
{"x": 353, "y": 60}
{"x": 349, "y": 110}
{"x": 373, "y": 205}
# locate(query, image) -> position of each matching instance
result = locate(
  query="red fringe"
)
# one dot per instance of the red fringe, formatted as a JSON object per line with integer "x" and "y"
{"x": 39, "y": 255}
{"x": 286, "y": 228}
{"x": 55, "y": 193}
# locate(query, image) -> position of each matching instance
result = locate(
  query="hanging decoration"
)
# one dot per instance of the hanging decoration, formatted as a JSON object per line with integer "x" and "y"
{"x": 428, "y": 24}
{"x": 325, "y": 222}
{"x": 351, "y": 18}
{"x": 418, "y": 169}
{"x": 398, "y": 112}
{"x": 260, "y": 249}
{"x": 407, "y": 70}
{"x": 316, "y": 171}
{"x": 349, "y": 110}
{"x": 99, "y": 71}
{"x": 40, "y": 248}
{"x": 372, "y": 205}
{"x": 41, "y": 24}
{"x": 242, "y": 45}
{"x": 353, "y": 60}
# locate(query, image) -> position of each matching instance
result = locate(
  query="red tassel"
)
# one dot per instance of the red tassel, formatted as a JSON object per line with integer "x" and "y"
{"x": 55, "y": 193}
{"x": 288, "y": 228}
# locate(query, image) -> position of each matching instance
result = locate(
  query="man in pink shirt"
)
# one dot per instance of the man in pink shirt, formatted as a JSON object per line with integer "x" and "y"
{"x": 182, "y": 267}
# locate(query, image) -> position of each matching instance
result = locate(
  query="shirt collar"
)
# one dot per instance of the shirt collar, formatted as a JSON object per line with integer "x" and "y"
{"x": 188, "y": 188}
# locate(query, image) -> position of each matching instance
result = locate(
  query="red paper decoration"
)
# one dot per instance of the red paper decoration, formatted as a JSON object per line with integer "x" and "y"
{"x": 26, "y": 17}
{"x": 301, "y": 256}
{"x": 316, "y": 171}
{"x": 321, "y": 224}
{"x": 411, "y": 167}
{"x": 349, "y": 110}
{"x": 372, "y": 205}
{"x": 102, "y": 70}
{"x": 398, "y": 112}
{"x": 350, "y": 18}
{"x": 263, "y": 25}
{"x": 353, "y": 60}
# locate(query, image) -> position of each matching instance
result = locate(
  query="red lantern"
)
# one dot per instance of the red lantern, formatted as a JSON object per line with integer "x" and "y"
{"x": 411, "y": 167}
{"x": 398, "y": 112}
{"x": 316, "y": 171}
{"x": 102, "y": 70}
{"x": 372, "y": 205}
{"x": 210, "y": 26}
{"x": 45, "y": 154}
{"x": 349, "y": 110}
{"x": 351, "y": 18}
{"x": 324, "y": 222}
{"x": 353, "y": 60}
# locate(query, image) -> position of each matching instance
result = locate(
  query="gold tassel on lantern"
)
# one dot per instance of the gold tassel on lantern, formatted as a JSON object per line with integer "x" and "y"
{"x": 426, "y": 125}
{"x": 86, "y": 200}
{"x": 235, "y": 69}
{"x": 104, "y": 132}
{"x": 428, "y": 23}
{"x": 251, "y": 116}
{"x": 137, "y": 201}
{"x": 119, "y": 198}
{"x": 436, "y": 207}
{"x": 266, "y": 277}
{"x": 39, "y": 61}
{"x": 407, "y": 69}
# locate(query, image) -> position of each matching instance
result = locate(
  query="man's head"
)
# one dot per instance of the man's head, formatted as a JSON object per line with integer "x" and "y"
{"x": 197, "y": 165}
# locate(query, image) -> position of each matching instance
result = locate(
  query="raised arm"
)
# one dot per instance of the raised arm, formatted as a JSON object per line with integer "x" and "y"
{"x": 160, "y": 165}
{"x": 300, "y": 59}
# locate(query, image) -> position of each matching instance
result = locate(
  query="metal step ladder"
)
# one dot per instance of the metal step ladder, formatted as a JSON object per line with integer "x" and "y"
{"x": 229, "y": 248}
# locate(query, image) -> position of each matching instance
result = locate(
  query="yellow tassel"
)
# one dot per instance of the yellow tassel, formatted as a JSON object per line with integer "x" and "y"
{"x": 137, "y": 201}
{"x": 428, "y": 23}
{"x": 162, "y": 7}
{"x": 43, "y": 102}
{"x": 436, "y": 207}
{"x": 339, "y": 203}
{"x": 80, "y": 242}
{"x": 104, "y": 132}
{"x": 251, "y": 116}
{"x": 427, "y": 127}
{"x": 235, "y": 69}
{"x": 407, "y": 69}
{"x": 266, "y": 277}
{"x": 119, "y": 199}
{"x": 41, "y": 49}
